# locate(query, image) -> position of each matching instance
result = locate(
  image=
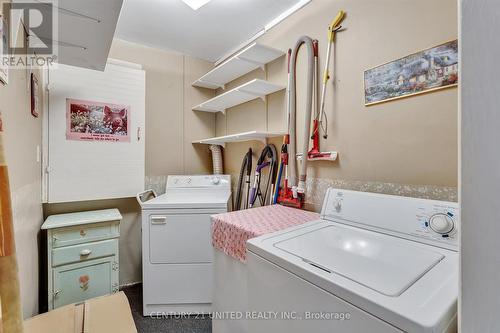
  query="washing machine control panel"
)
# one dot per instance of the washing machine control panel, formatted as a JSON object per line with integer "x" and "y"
{"x": 442, "y": 224}
{"x": 439, "y": 223}
{"x": 199, "y": 181}
{"x": 429, "y": 221}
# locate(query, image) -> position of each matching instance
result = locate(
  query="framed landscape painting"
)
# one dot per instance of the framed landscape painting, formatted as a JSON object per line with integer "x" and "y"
{"x": 418, "y": 73}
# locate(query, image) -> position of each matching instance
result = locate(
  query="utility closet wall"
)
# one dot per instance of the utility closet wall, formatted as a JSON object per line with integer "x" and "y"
{"x": 171, "y": 126}
{"x": 22, "y": 140}
{"x": 405, "y": 147}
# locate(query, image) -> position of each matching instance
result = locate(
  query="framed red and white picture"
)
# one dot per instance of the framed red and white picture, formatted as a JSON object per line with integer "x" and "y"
{"x": 95, "y": 121}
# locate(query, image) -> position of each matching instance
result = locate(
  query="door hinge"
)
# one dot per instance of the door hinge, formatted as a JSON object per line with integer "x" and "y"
{"x": 48, "y": 169}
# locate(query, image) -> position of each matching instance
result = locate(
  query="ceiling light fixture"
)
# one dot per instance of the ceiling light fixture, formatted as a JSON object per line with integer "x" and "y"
{"x": 196, "y": 4}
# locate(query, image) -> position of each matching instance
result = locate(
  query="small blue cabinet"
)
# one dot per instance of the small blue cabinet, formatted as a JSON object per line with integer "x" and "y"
{"x": 82, "y": 256}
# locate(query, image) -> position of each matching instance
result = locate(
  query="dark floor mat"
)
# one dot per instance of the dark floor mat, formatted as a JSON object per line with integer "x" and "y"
{"x": 194, "y": 324}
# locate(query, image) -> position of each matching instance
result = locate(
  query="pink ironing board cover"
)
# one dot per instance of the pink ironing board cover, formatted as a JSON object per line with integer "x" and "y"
{"x": 230, "y": 231}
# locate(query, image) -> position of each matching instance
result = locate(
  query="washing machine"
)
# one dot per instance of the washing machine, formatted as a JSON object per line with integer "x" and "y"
{"x": 372, "y": 263}
{"x": 177, "y": 255}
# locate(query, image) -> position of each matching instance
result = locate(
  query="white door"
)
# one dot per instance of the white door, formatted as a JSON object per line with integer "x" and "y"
{"x": 92, "y": 169}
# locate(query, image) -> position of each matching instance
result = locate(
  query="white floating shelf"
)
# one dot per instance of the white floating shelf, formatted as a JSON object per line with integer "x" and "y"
{"x": 239, "y": 95}
{"x": 240, "y": 137}
{"x": 243, "y": 62}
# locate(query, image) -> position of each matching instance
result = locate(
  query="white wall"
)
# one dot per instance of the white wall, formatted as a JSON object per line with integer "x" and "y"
{"x": 480, "y": 174}
{"x": 171, "y": 126}
{"x": 409, "y": 141}
{"x": 22, "y": 135}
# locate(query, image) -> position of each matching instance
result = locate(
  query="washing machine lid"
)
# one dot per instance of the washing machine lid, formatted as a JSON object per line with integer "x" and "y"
{"x": 190, "y": 199}
{"x": 386, "y": 264}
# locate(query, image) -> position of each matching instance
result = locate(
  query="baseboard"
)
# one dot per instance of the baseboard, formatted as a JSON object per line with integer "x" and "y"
{"x": 128, "y": 285}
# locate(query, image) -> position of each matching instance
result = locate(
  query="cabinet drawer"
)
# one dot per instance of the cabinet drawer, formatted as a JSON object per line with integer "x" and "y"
{"x": 84, "y": 252}
{"x": 78, "y": 282}
{"x": 84, "y": 233}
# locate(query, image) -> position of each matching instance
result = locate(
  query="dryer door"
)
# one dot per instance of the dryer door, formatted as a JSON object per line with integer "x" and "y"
{"x": 180, "y": 238}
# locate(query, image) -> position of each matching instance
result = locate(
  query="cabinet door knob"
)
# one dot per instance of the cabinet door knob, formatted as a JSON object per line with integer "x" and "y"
{"x": 85, "y": 252}
{"x": 57, "y": 292}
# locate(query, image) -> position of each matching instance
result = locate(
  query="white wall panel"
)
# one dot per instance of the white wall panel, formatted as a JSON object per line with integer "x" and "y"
{"x": 80, "y": 170}
{"x": 480, "y": 166}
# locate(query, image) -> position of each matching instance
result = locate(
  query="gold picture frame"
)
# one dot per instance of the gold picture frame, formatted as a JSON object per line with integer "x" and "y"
{"x": 422, "y": 72}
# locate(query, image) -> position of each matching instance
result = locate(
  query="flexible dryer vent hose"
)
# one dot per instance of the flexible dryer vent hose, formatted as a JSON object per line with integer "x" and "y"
{"x": 308, "y": 42}
{"x": 217, "y": 159}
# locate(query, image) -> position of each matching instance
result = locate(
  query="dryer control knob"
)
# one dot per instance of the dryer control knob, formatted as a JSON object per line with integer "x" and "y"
{"x": 441, "y": 224}
{"x": 215, "y": 180}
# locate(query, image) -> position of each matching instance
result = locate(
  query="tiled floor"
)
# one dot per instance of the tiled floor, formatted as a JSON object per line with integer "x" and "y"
{"x": 163, "y": 325}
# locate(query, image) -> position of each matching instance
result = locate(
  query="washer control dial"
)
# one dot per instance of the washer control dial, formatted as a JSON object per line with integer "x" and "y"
{"x": 441, "y": 224}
